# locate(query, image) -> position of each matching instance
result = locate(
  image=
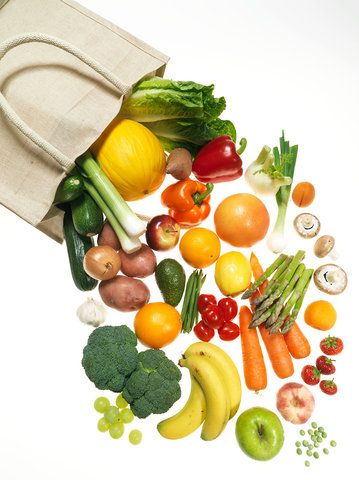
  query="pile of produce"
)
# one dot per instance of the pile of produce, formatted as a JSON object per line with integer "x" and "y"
{"x": 171, "y": 129}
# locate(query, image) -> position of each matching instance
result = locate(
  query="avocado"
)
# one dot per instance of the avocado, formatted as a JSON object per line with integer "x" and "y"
{"x": 171, "y": 280}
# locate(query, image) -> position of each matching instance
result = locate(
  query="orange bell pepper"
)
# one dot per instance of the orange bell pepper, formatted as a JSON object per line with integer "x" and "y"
{"x": 188, "y": 201}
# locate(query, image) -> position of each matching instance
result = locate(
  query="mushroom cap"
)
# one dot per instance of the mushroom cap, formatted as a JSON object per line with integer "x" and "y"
{"x": 324, "y": 245}
{"x": 307, "y": 225}
{"x": 330, "y": 278}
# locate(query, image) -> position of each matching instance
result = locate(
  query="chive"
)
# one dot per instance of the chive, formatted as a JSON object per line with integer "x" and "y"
{"x": 186, "y": 300}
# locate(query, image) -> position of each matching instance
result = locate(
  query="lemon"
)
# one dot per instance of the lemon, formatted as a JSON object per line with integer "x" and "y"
{"x": 232, "y": 273}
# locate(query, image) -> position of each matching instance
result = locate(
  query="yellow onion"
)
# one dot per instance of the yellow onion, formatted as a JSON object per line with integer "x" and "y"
{"x": 132, "y": 157}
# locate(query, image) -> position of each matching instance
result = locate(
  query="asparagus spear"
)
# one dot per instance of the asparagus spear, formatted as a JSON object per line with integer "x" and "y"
{"x": 279, "y": 305}
{"x": 256, "y": 322}
{"x": 296, "y": 309}
{"x": 287, "y": 275}
{"x": 272, "y": 268}
{"x": 297, "y": 292}
{"x": 273, "y": 283}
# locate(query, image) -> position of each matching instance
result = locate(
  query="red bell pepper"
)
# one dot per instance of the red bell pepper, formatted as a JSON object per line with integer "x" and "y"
{"x": 219, "y": 161}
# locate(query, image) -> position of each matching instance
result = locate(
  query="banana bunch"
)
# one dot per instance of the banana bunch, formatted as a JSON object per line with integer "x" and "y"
{"x": 215, "y": 394}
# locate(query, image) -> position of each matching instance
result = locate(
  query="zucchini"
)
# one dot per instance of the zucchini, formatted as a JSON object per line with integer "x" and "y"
{"x": 69, "y": 189}
{"x": 86, "y": 215}
{"x": 77, "y": 246}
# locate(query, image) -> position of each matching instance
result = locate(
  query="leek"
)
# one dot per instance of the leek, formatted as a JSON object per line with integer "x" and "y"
{"x": 125, "y": 217}
{"x": 284, "y": 160}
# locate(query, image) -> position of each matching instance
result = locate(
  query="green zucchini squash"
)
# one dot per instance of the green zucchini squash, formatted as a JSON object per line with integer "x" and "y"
{"x": 69, "y": 189}
{"x": 77, "y": 246}
{"x": 87, "y": 216}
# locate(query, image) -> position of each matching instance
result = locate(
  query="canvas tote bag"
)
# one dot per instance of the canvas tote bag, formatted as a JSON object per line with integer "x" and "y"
{"x": 64, "y": 72}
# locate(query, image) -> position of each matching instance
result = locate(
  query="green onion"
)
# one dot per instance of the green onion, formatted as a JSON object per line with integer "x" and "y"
{"x": 189, "y": 312}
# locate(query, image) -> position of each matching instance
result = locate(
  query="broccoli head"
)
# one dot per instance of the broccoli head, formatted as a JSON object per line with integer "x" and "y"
{"x": 153, "y": 387}
{"x": 110, "y": 357}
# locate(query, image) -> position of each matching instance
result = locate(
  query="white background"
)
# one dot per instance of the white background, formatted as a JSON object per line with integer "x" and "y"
{"x": 280, "y": 64}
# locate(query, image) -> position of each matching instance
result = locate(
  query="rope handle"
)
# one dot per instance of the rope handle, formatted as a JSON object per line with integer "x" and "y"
{"x": 12, "y": 116}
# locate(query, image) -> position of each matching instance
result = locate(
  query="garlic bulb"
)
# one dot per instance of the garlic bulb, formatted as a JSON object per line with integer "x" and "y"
{"x": 92, "y": 312}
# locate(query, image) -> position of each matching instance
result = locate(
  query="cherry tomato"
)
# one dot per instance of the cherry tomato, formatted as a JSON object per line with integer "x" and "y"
{"x": 229, "y": 307}
{"x": 203, "y": 331}
{"x": 213, "y": 316}
{"x": 229, "y": 331}
{"x": 204, "y": 300}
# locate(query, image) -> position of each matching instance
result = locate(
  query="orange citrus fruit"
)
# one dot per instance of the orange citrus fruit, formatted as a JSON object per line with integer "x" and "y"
{"x": 241, "y": 220}
{"x": 157, "y": 324}
{"x": 320, "y": 315}
{"x": 200, "y": 247}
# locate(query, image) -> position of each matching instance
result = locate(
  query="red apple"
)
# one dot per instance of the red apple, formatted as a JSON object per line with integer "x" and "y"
{"x": 162, "y": 233}
{"x": 295, "y": 402}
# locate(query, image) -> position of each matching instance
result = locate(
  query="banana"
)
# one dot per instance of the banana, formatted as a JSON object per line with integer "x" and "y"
{"x": 189, "y": 418}
{"x": 225, "y": 365}
{"x": 215, "y": 392}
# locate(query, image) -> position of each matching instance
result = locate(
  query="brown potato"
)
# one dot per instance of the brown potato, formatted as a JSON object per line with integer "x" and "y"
{"x": 138, "y": 264}
{"x": 124, "y": 294}
{"x": 108, "y": 237}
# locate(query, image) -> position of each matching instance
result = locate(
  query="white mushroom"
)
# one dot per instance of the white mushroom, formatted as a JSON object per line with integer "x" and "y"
{"x": 325, "y": 246}
{"x": 330, "y": 279}
{"x": 307, "y": 225}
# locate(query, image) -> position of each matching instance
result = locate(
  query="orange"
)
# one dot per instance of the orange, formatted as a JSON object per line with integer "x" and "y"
{"x": 241, "y": 220}
{"x": 320, "y": 315}
{"x": 200, "y": 247}
{"x": 157, "y": 324}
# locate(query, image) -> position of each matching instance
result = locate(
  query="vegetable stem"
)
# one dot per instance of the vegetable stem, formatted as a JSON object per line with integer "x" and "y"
{"x": 272, "y": 268}
{"x": 242, "y": 145}
{"x": 199, "y": 197}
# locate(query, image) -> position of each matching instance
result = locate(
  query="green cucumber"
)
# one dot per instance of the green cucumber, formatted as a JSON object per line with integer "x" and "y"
{"x": 77, "y": 246}
{"x": 69, "y": 189}
{"x": 87, "y": 216}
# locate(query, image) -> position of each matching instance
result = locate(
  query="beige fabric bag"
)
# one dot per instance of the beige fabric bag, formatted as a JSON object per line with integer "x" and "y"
{"x": 63, "y": 74}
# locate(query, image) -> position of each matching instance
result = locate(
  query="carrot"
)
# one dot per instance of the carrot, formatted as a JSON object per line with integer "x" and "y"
{"x": 297, "y": 343}
{"x": 275, "y": 344}
{"x": 254, "y": 369}
{"x": 278, "y": 352}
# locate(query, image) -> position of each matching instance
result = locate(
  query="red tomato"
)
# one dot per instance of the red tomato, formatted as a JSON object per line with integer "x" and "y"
{"x": 213, "y": 316}
{"x": 229, "y": 307}
{"x": 204, "y": 300}
{"x": 203, "y": 331}
{"x": 229, "y": 331}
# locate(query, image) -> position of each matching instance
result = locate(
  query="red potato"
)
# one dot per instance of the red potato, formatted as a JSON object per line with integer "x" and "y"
{"x": 124, "y": 294}
{"x": 138, "y": 264}
{"x": 108, "y": 237}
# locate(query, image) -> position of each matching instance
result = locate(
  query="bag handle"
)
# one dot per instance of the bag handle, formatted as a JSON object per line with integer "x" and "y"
{"x": 12, "y": 116}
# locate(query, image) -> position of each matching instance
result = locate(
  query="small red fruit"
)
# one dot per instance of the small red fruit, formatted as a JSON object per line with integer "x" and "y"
{"x": 331, "y": 345}
{"x": 229, "y": 331}
{"x": 310, "y": 375}
{"x": 213, "y": 316}
{"x": 325, "y": 365}
{"x": 329, "y": 387}
{"x": 203, "y": 332}
{"x": 229, "y": 307}
{"x": 204, "y": 300}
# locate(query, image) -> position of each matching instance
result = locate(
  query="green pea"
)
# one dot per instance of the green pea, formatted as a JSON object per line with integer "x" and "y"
{"x": 324, "y": 435}
{"x": 321, "y": 429}
{"x": 333, "y": 443}
{"x": 309, "y": 453}
{"x": 316, "y": 444}
{"x": 298, "y": 444}
{"x": 307, "y": 463}
{"x": 310, "y": 432}
{"x": 316, "y": 455}
{"x": 313, "y": 438}
{"x": 305, "y": 443}
{"x": 326, "y": 451}
{"x": 316, "y": 432}
{"x": 302, "y": 432}
{"x": 314, "y": 425}
{"x": 319, "y": 439}
{"x": 310, "y": 447}
{"x": 299, "y": 451}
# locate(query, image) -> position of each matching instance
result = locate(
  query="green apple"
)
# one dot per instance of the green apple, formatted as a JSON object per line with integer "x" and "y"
{"x": 259, "y": 433}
